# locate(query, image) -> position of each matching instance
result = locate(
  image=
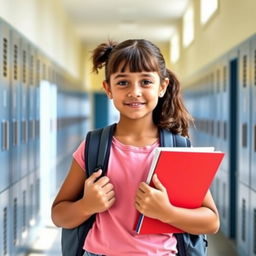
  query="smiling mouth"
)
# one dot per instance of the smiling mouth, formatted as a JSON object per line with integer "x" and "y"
{"x": 135, "y": 104}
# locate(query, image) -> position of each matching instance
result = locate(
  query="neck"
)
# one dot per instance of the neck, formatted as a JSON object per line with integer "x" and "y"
{"x": 137, "y": 132}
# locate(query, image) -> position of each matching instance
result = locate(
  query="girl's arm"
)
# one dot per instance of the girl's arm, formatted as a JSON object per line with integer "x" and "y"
{"x": 79, "y": 198}
{"x": 154, "y": 203}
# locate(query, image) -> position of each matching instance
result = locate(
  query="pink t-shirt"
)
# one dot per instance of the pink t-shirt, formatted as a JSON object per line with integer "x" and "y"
{"x": 113, "y": 232}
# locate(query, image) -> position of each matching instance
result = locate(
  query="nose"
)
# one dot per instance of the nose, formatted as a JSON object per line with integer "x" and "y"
{"x": 135, "y": 91}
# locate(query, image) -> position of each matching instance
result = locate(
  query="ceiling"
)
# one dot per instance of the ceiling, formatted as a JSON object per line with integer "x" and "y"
{"x": 98, "y": 20}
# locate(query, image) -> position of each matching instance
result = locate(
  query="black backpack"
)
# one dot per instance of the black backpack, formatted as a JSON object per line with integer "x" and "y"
{"x": 97, "y": 149}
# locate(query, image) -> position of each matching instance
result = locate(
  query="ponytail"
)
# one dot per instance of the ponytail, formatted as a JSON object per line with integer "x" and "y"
{"x": 170, "y": 112}
{"x": 100, "y": 55}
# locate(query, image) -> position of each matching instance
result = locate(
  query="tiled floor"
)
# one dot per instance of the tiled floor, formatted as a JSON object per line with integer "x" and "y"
{"x": 48, "y": 244}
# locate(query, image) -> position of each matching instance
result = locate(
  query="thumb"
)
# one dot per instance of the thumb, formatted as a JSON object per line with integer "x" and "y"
{"x": 94, "y": 176}
{"x": 158, "y": 183}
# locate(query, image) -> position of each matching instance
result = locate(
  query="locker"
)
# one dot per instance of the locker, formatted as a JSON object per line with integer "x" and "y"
{"x": 25, "y": 212}
{"x": 5, "y": 224}
{"x": 253, "y": 113}
{"x": 15, "y": 223}
{"x": 30, "y": 127}
{"x": 15, "y": 63}
{"x": 244, "y": 114}
{"x": 224, "y": 116}
{"x": 4, "y": 105}
{"x": 243, "y": 232}
{"x": 252, "y": 236}
{"x": 26, "y": 78}
{"x": 224, "y": 203}
{"x": 31, "y": 200}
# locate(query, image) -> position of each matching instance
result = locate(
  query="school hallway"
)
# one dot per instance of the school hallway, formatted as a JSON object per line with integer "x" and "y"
{"x": 50, "y": 237}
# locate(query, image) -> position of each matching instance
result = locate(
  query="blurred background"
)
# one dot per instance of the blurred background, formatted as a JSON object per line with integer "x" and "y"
{"x": 49, "y": 99}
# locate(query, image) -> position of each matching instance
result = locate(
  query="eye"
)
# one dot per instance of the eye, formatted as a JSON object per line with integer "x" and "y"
{"x": 122, "y": 83}
{"x": 146, "y": 82}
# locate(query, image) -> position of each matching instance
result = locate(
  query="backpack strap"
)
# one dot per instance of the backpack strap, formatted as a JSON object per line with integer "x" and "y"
{"x": 97, "y": 149}
{"x": 168, "y": 139}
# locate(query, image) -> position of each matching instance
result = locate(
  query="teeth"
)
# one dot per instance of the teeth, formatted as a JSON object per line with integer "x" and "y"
{"x": 135, "y": 104}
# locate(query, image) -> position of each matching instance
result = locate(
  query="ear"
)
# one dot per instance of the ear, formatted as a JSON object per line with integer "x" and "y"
{"x": 163, "y": 87}
{"x": 107, "y": 89}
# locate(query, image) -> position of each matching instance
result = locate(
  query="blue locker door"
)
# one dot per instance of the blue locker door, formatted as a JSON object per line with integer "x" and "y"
{"x": 244, "y": 114}
{"x": 27, "y": 76}
{"x": 101, "y": 108}
{"x": 252, "y": 236}
{"x": 5, "y": 224}
{"x": 5, "y": 136}
{"x": 243, "y": 232}
{"x": 15, "y": 193}
{"x": 253, "y": 114}
{"x": 29, "y": 139}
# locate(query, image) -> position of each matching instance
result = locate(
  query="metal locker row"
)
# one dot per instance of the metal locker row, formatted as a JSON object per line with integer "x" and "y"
{"x": 17, "y": 180}
{"x": 232, "y": 114}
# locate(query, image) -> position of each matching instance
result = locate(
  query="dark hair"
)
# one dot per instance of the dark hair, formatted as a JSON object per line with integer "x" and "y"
{"x": 141, "y": 55}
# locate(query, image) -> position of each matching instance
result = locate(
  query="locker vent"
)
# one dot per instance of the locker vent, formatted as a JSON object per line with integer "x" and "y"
{"x": 254, "y": 231}
{"x": 24, "y": 69}
{"x": 225, "y": 78}
{"x": 31, "y": 70}
{"x": 5, "y": 56}
{"x": 15, "y": 63}
{"x": 244, "y": 135}
{"x": 243, "y": 229}
{"x": 225, "y": 130}
{"x": 24, "y": 215}
{"x": 15, "y": 217}
{"x": 224, "y": 200}
{"x": 244, "y": 70}
{"x": 5, "y": 232}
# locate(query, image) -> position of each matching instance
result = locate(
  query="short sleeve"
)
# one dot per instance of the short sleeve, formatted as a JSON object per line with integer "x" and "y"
{"x": 78, "y": 155}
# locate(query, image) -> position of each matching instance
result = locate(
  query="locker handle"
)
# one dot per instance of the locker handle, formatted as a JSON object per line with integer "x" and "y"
{"x": 5, "y": 135}
{"x": 24, "y": 132}
{"x": 15, "y": 133}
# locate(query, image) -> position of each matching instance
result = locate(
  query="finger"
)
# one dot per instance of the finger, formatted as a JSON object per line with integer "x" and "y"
{"x": 110, "y": 195}
{"x": 103, "y": 181}
{"x": 144, "y": 187}
{"x": 158, "y": 183}
{"x": 107, "y": 188}
{"x": 94, "y": 176}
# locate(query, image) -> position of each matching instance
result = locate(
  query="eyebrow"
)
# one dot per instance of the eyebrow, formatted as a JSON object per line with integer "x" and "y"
{"x": 120, "y": 75}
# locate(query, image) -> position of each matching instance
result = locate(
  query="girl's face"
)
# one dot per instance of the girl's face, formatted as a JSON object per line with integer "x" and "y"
{"x": 135, "y": 95}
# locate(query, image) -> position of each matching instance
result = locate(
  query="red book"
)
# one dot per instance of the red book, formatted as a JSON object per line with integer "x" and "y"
{"x": 187, "y": 174}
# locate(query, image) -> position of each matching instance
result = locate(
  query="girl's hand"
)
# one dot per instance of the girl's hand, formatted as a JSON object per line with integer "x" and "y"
{"x": 153, "y": 202}
{"x": 99, "y": 194}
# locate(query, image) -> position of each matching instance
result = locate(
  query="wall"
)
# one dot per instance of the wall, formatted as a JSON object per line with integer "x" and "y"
{"x": 46, "y": 25}
{"x": 234, "y": 22}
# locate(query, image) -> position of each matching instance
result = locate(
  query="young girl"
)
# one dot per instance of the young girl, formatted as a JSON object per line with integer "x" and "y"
{"x": 147, "y": 96}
